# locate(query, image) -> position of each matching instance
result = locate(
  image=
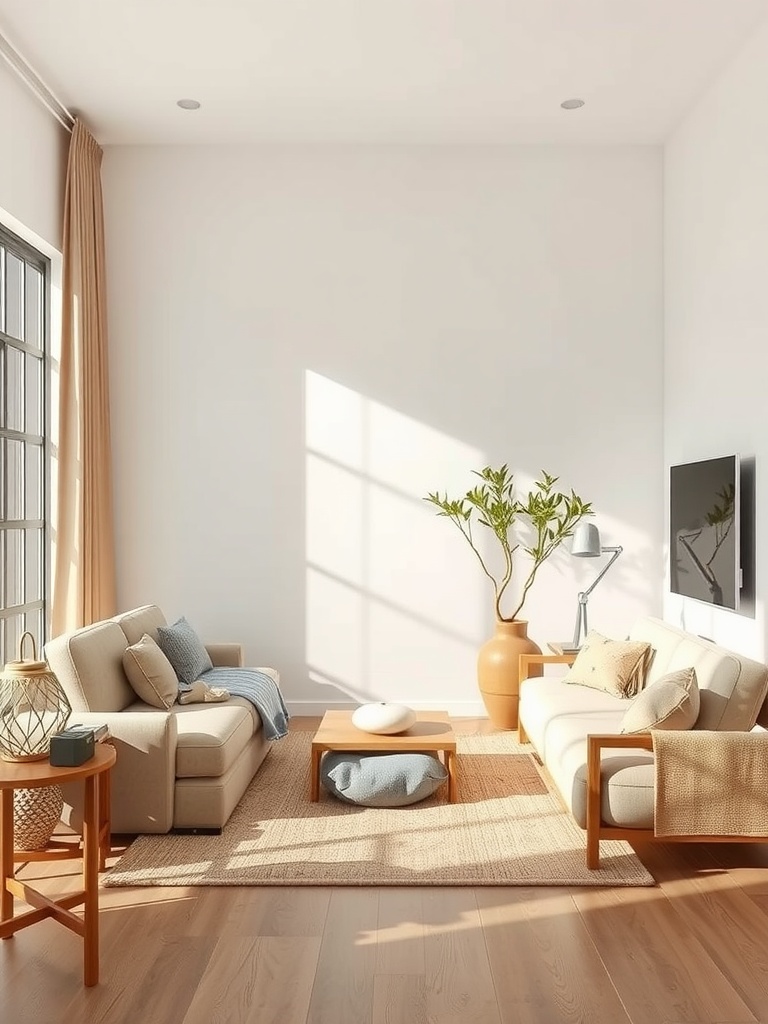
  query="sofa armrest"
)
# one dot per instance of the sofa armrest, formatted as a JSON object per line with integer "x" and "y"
{"x": 144, "y": 774}
{"x": 526, "y": 671}
{"x": 596, "y": 742}
{"x": 226, "y": 655}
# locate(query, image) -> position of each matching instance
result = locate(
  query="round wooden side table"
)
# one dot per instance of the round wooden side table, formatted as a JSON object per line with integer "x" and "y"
{"x": 94, "y": 849}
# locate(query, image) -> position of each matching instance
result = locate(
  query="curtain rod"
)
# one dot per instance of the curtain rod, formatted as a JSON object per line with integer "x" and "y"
{"x": 35, "y": 84}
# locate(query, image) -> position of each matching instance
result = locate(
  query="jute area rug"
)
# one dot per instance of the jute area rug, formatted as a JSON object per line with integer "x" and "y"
{"x": 506, "y": 829}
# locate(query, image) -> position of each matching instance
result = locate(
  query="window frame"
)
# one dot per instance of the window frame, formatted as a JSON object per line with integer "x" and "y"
{"x": 32, "y": 615}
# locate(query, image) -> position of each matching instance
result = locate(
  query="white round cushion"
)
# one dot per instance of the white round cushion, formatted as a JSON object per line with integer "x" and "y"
{"x": 383, "y": 718}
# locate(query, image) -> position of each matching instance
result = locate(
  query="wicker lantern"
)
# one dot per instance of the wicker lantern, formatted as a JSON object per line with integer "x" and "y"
{"x": 33, "y": 707}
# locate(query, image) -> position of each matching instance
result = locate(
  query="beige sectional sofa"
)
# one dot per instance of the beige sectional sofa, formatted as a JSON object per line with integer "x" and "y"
{"x": 184, "y": 768}
{"x": 612, "y": 783}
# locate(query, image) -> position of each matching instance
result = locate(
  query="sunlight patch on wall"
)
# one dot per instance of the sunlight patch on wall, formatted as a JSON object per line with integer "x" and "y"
{"x": 394, "y": 597}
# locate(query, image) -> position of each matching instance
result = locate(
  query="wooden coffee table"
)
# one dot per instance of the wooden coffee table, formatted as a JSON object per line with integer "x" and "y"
{"x": 431, "y": 731}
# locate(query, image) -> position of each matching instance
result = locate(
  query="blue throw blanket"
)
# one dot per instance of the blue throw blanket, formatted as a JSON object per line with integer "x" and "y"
{"x": 260, "y": 689}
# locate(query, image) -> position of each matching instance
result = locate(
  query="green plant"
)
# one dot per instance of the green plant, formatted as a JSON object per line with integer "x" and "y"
{"x": 551, "y": 515}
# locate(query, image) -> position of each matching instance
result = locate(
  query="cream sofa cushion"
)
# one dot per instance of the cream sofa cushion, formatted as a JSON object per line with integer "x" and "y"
{"x": 88, "y": 664}
{"x": 672, "y": 702}
{"x": 616, "y": 666}
{"x": 150, "y": 673}
{"x": 138, "y": 621}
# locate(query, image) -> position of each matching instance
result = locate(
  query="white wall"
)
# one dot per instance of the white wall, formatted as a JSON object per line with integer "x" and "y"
{"x": 716, "y": 304}
{"x": 305, "y": 342}
{"x": 33, "y": 164}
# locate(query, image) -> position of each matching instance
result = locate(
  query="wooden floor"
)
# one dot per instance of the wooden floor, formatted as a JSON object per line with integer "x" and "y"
{"x": 693, "y": 949}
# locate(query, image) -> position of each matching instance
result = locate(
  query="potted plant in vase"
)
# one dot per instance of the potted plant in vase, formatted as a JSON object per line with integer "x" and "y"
{"x": 550, "y": 516}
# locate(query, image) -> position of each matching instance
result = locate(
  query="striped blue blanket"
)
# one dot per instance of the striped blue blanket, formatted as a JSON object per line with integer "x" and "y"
{"x": 260, "y": 689}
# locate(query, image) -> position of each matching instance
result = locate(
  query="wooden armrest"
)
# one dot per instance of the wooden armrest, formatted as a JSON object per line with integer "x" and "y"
{"x": 526, "y": 660}
{"x": 595, "y": 743}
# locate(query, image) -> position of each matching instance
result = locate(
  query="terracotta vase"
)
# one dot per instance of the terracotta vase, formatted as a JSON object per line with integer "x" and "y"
{"x": 498, "y": 671}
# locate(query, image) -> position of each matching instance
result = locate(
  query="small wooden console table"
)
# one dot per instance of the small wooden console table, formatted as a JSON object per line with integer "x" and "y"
{"x": 94, "y": 850}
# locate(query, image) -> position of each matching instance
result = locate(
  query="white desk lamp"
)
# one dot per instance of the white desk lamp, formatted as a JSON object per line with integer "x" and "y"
{"x": 586, "y": 544}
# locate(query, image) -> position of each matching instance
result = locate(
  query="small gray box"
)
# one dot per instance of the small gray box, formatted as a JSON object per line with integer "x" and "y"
{"x": 71, "y": 748}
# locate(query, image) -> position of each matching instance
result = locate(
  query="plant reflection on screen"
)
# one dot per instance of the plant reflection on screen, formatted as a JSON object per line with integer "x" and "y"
{"x": 718, "y": 525}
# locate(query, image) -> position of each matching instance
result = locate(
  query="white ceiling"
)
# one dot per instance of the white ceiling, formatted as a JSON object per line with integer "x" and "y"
{"x": 424, "y": 71}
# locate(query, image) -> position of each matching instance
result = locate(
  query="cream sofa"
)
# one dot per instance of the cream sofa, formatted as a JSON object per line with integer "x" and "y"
{"x": 185, "y": 768}
{"x": 612, "y": 783}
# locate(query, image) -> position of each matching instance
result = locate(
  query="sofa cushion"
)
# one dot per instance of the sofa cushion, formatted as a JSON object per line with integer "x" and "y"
{"x": 732, "y": 687}
{"x": 381, "y": 780}
{"x": 89, "y": 665}
{"x": 671, "y": 702}
{"x": 138, "y": 621}
{"x": 150, "y": 673}
{"x": 616, "y": 666}
{"x": 211, "y": 736}
{"x": 184, "y": 650}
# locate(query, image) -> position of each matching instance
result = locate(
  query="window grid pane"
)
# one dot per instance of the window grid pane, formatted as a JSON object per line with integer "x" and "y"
{"x": 14, "y": 480}
{"x": 14, "y": 568}
{"x": 33, "y": 308}
{"x": 34, "y": 482}
{"x": 33, "y": 395}
{"x": 14, "y": 295}
{"x": 33, "y": 581}
{"x": 14, "y": 367}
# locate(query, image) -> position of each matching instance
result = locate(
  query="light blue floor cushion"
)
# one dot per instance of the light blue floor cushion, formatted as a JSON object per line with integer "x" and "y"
{"x": 381, "y": 780}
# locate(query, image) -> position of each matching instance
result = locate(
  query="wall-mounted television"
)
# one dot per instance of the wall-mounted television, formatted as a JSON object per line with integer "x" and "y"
{"x": 704, "y": 531}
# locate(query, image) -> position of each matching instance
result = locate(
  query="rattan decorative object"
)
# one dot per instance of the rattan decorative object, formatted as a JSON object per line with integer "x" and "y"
{"x": 33, "y": 707}
{"x": 36, "y": 813}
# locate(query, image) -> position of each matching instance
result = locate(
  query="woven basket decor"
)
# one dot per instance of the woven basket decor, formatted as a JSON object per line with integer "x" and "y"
{"x": 36, "y": 813}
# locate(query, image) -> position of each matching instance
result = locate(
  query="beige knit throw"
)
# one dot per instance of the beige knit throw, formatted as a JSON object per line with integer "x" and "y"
{"x": 711, "y": 783}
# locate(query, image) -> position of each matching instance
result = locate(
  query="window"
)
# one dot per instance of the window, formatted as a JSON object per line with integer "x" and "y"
{"x": 24, "y": 320}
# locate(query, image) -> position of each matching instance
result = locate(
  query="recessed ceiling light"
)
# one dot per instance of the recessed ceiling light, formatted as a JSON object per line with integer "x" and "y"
{"x": 573, "y": 104}
{"x": 188, "y": 104}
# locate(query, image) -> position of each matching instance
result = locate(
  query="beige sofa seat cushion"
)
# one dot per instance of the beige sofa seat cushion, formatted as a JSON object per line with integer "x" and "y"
{"x": 89, "y": 665}
{"x": 211, "y": 737}
{"x": 732, "y": 688}
{"x": 138, "y": 621}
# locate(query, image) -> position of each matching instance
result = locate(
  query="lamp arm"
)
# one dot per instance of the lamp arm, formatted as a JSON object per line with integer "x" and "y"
{"x": 616, "y": 552}
{"x": 580, "y": 629}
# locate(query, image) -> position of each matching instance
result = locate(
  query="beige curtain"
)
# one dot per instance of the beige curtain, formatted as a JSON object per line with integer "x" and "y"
{"x": 83, "y": 569}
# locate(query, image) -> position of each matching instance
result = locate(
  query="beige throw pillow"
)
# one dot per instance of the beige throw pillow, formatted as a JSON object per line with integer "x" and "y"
{"x": 616, "y": 666}
{"x": 672, "y": 702}
{"x": 150, "y": 673}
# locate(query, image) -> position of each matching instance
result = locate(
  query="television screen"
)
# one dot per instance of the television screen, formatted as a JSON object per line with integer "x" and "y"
{"x": 704, "y": 531}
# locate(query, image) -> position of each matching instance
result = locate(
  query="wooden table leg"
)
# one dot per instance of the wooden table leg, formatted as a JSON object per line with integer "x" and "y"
{"x": 105, "y": 819}
{"x": 6, "y": 854}
{"x": 450, "y": 758}
{"x": 91, "y": 851}
{"x": 314, "y": 781}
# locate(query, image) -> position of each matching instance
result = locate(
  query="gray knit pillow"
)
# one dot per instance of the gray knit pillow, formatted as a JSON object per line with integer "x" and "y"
{"x": 381, "y": 780}
{"x": 183, "y": 648}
